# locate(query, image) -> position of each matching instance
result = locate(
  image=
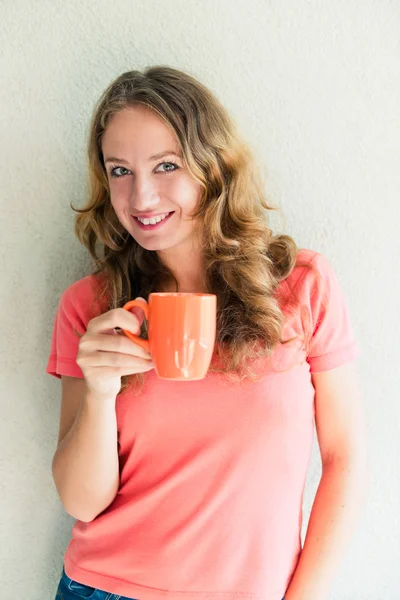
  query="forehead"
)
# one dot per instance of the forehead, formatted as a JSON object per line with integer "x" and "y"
{"x": 137, "y": 129}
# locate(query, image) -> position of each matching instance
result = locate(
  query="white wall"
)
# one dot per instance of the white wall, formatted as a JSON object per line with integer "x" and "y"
{"x": 315, "y": 89}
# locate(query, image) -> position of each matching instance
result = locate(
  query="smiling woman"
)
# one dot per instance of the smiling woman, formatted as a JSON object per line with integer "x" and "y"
{"x": 194, "y": 488}
{"x": 150, "y": 191}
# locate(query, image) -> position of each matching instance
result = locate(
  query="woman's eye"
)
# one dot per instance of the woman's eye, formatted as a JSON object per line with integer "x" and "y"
{"x": 175, "y": 167}
{"x": 113, "y": 172}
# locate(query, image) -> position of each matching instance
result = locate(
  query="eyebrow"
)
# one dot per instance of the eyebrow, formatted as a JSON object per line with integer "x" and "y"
{"x": 154, "y": 157}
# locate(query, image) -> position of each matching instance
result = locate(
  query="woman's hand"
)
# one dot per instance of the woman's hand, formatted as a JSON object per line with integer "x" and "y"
{"x": 104, "y": 356}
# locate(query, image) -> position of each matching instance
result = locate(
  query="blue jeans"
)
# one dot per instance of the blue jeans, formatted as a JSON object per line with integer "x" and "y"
{"x": 69, "y": 589}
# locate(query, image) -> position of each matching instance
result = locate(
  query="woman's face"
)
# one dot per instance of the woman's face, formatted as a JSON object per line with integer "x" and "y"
{"x": 152, "y": 193}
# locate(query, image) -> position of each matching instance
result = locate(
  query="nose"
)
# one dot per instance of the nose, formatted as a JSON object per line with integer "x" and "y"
{"x": 145, "y": 195}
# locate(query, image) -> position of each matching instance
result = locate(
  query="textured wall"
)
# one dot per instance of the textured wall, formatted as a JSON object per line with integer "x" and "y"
{"x": 315, "y": 89}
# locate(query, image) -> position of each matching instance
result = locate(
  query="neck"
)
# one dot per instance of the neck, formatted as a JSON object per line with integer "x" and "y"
{"x": 190, "y": 273}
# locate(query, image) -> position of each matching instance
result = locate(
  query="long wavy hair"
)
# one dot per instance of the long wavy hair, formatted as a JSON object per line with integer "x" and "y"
{"x": 244, "y": 261}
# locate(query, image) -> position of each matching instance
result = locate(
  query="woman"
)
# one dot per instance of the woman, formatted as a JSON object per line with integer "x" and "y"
{"x": 194, "y": 489}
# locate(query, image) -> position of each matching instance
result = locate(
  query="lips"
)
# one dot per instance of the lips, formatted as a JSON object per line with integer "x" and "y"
{"x": 152, "y": 226}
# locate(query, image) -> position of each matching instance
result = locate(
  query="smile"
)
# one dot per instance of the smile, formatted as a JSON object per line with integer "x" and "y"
{"x": 151, "y": 223}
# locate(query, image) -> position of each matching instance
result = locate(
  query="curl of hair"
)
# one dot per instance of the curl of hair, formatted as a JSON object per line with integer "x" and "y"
{"x": 244, "y": 261}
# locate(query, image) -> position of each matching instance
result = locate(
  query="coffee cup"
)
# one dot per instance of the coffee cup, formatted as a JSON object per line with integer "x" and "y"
{"x": 181, "y": 333}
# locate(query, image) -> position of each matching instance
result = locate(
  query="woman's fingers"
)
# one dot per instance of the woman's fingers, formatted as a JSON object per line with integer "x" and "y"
{"x": 113, "y": 343}
{"x": 118, "y": 317}
{"x": 128, "y": 362}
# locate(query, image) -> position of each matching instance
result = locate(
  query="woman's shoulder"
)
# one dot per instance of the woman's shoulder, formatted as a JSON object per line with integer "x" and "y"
{"x": 311, "y": 262}
{"x": 85, "y": 295}
{"x": 308, "y": 277}
{"x": 307, "y": 256}
{"x": 83, "y": 287}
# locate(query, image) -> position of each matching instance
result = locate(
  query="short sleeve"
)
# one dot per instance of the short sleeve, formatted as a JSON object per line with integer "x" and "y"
{"x": 75, "y": 309}
{"x": 332, "y": 341}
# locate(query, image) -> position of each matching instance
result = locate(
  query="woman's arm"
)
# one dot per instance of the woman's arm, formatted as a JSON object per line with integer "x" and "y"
{"x": 85, "y": 465}
{"x": 341, "y": 493}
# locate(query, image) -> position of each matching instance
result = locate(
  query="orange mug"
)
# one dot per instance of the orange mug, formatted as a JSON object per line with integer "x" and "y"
{"x": 182, "y": 330}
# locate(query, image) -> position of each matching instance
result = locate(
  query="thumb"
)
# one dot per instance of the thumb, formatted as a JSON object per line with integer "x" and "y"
{"x": 138, "y": 312}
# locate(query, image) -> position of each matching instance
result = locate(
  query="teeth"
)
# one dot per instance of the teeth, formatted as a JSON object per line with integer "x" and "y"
{"x": 153, "y": 220}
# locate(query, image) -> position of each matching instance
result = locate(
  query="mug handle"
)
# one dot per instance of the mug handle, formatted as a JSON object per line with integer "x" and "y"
{"x": 145, "y": 307}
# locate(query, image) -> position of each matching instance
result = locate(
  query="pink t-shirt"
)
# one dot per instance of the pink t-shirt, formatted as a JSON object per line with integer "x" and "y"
{"x": 212, "y": 472}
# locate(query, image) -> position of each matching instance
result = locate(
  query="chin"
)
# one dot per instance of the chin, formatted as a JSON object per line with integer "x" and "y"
{"x": 154, "y": 245}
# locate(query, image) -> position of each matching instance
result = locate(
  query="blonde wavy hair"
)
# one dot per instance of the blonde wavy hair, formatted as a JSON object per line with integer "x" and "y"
{"x": 244, "y": 261}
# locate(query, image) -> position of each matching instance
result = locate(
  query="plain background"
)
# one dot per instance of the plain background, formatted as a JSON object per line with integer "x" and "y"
{"x": 315, "y": 88}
